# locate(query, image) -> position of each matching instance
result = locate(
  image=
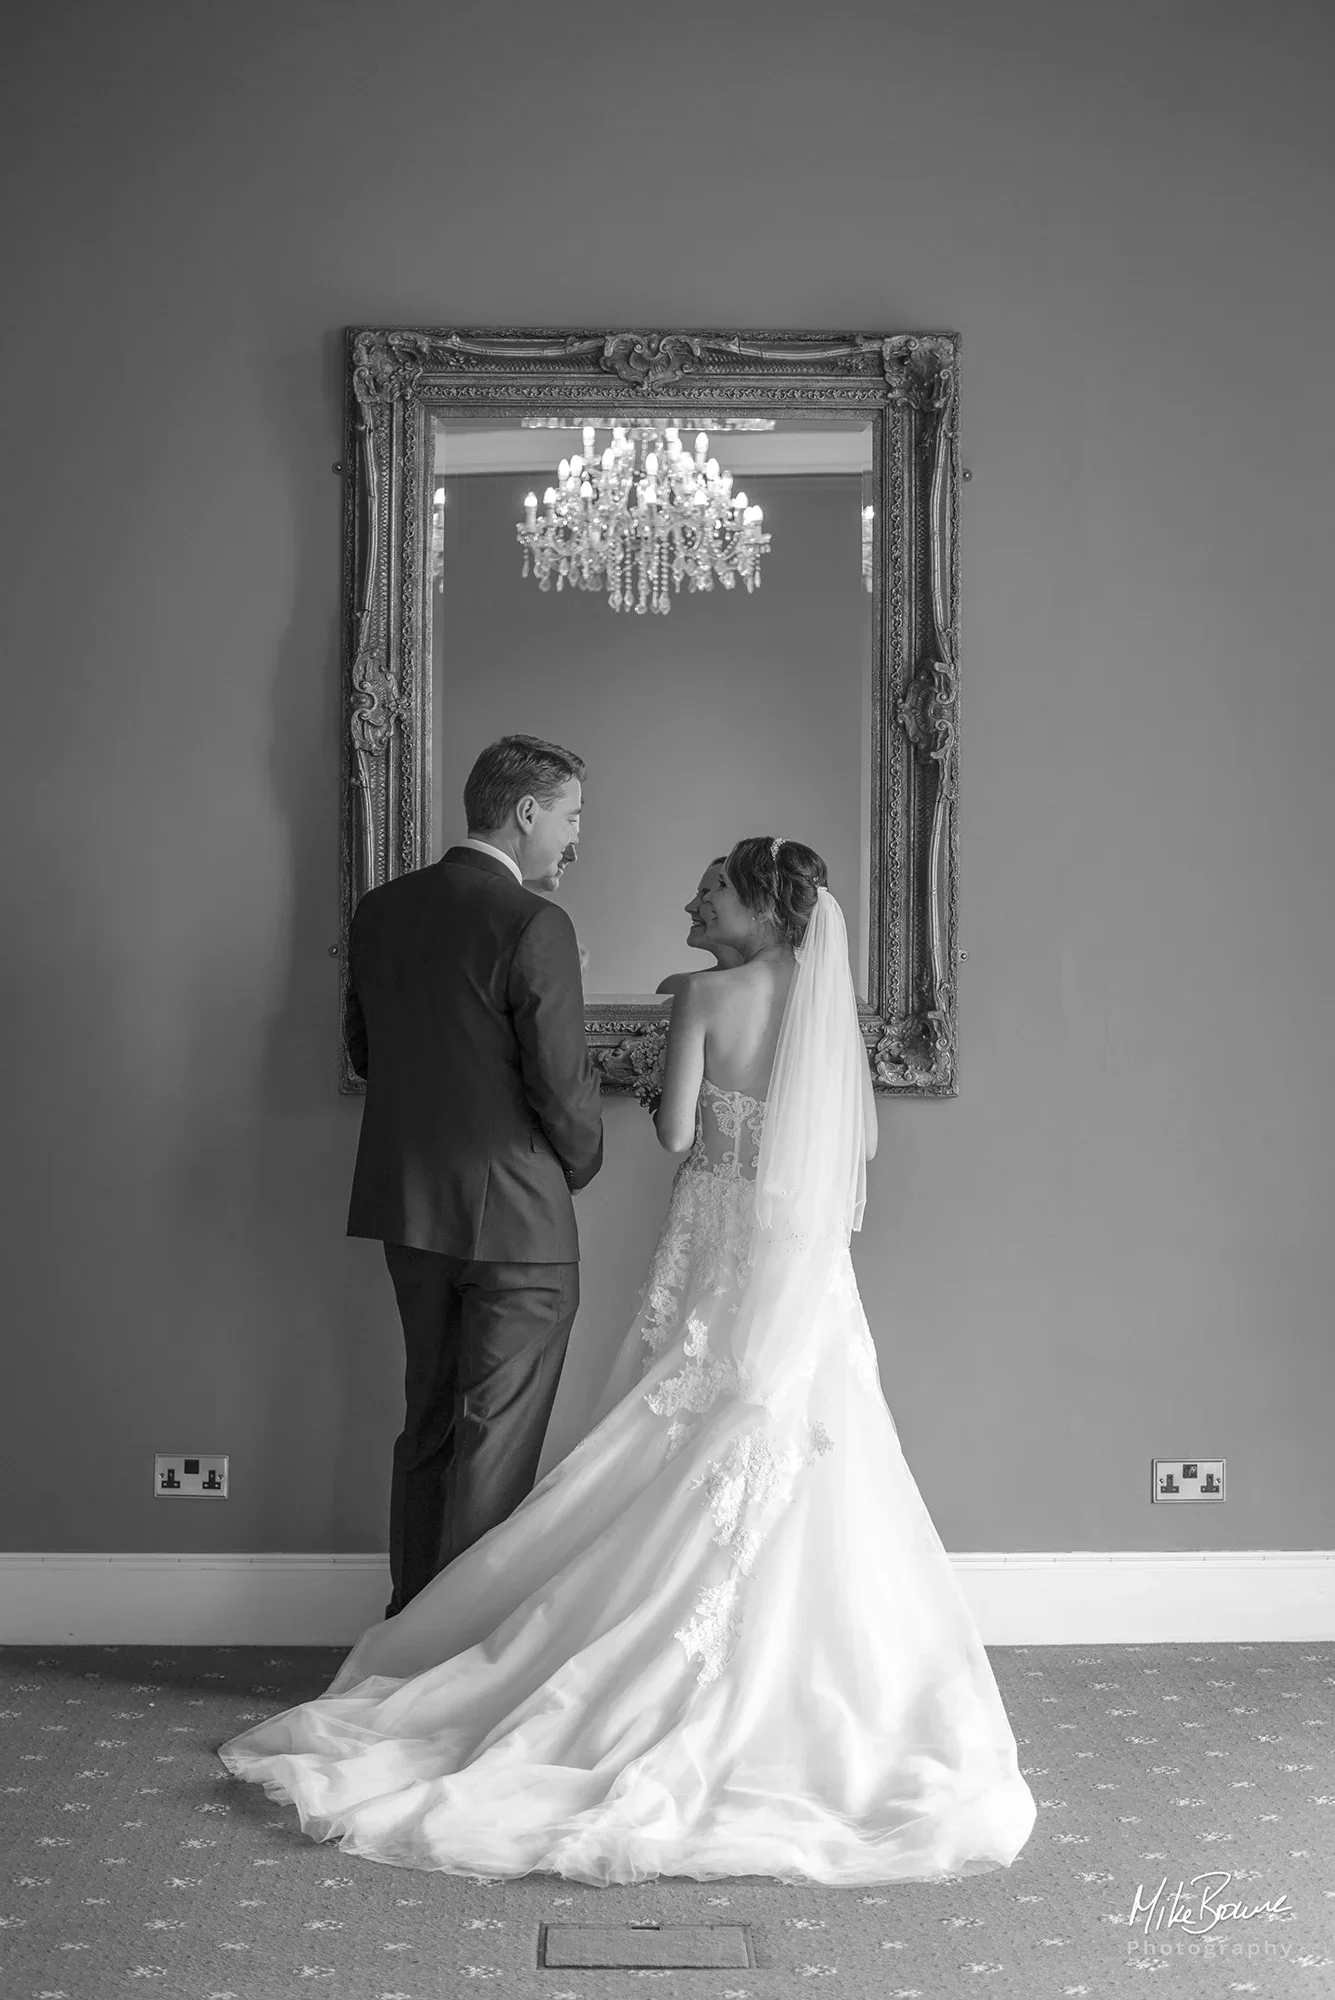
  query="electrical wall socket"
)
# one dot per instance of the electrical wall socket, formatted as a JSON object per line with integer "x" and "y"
{"x": 190, "y": 1476}
{"x": 1177, "y": 1479}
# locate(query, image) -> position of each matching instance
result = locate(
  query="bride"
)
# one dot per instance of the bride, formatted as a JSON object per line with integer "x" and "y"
{"x": 722, "y": 1636}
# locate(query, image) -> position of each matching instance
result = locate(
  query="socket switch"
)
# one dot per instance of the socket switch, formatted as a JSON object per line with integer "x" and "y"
{"x": 190, "y": 1476}
{"x": 1178, "y": 1479}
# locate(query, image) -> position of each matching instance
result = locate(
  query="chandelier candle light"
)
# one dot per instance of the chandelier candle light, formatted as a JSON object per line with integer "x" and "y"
{"x": 644, "y": 515}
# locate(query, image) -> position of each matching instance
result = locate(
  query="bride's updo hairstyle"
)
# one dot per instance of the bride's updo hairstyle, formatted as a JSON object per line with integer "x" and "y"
{"x": 778, "y": 879}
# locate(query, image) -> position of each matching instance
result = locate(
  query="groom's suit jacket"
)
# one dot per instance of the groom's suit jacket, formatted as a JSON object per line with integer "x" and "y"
{"x": 465, "y": 1014}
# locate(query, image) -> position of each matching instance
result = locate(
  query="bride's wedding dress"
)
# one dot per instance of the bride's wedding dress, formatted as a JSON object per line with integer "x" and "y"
{"x": 722, "y": 1636}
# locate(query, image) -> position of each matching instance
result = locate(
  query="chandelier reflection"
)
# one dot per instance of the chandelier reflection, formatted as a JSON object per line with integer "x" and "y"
{"x": 641, "y": 520}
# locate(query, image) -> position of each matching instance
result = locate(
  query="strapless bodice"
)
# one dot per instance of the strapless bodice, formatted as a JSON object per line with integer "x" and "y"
{"x": 728, "y": 1125}
{"x": 708, "y": 1089}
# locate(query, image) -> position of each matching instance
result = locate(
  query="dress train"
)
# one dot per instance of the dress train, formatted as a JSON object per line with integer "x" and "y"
{"x": 698, "y": 1648}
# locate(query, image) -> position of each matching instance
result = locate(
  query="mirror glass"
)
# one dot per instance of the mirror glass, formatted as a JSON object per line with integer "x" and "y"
{"x": 733, "y": 713}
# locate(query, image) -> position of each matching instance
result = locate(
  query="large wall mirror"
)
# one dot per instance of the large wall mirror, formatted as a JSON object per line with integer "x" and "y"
{"x": 526, "y": 516}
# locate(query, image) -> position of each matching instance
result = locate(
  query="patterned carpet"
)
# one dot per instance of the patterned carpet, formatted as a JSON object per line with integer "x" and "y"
{"x": 134, "y": 1864}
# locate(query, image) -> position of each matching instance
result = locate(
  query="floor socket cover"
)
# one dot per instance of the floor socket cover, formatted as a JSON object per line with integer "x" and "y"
{"x": 628, "y": 1947}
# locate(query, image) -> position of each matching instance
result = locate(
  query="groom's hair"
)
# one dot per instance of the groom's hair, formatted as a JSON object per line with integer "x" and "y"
{"x": 515, "y": 768}
{"x": 779, "y": 879}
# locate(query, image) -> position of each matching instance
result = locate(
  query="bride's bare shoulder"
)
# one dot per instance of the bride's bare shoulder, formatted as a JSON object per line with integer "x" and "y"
{"x": 699, "y": 989}
{"x": 724, "y": 992}
{"x": 705, "y": 995}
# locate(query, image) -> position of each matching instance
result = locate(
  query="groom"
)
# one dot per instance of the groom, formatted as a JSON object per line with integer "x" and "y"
{"x": 465, "y": 1014}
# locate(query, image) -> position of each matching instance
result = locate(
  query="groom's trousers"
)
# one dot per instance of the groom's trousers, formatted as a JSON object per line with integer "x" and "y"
{"x": 484, "y": 1345}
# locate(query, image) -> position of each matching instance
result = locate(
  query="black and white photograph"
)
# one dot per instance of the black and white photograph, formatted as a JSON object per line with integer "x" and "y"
{"x": 668, "y": 724}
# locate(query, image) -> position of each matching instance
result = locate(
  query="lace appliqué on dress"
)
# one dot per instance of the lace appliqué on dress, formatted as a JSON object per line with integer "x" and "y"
{"x": 669, "y": 1271}
{"x": 754, "y": 1481}
{"x": 707, "y": 1246}
{"x": 862, "y": 1348}
{"x": 865, "y": 1364}
{"x": 694, "y": 1388}
{"x": 705, "y": 1242}
{"x": 736, "y": 1113}
{"x": 712, "y": 1635}
{"x": 745, "y": 1491}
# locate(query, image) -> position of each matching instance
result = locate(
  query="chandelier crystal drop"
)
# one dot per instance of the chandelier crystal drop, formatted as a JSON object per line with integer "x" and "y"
{"x": 641, "y": 519}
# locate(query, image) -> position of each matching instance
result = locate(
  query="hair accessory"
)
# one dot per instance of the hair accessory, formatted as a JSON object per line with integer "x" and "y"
{"x": 774, "y": 847}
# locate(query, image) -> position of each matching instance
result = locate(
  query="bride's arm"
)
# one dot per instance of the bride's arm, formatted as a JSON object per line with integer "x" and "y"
{"x": 684, "y": 1066}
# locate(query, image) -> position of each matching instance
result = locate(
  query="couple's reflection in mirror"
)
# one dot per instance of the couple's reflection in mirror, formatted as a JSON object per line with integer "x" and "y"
{"x": 695, "y": 722}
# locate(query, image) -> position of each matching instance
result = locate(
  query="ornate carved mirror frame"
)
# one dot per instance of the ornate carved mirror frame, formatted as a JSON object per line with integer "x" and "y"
{"x": 904, "y": 385}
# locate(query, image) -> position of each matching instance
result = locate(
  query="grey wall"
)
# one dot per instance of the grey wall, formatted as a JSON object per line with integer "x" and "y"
{"x": 1116, "y": 1241}
{"x": 736, "y": 713}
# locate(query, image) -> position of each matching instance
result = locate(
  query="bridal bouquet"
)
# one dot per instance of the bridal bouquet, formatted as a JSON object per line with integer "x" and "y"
{"x": 637, "y": 1064}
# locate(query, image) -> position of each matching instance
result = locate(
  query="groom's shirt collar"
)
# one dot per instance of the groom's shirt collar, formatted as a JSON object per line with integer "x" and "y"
{"x": 496, "y": 853}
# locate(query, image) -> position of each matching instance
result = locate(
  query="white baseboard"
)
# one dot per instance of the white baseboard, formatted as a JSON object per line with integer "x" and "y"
{"x": 1065, "y": 1598}
{"x": 190, "y": 1600}
{"x": 1150, "y": 1597}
